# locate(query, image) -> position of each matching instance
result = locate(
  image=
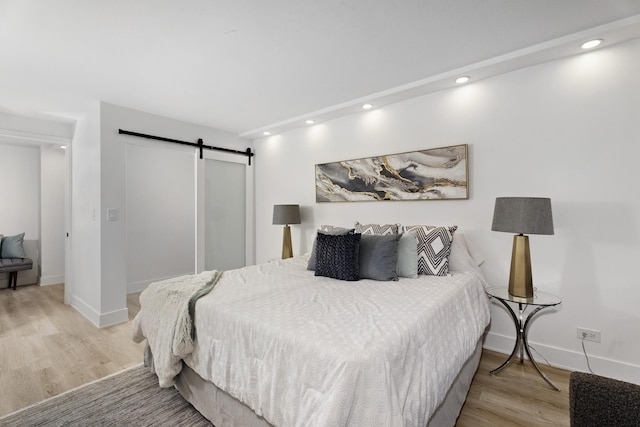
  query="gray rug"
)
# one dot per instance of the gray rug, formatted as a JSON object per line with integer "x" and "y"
{"x": 128, "y": 398}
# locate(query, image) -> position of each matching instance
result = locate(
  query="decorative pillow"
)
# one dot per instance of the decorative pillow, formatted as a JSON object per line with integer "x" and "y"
{"x": 337, "y": 256}
{"x": 378, "y": 257}
{"x": 408, "y": 256}
{"x": 332, "y": 228}
{"x": 380, "y": 229}
{"x": 0, "y": 245}
{"x": 335, "y": 231}
{"x": 12, "y": 247}
{"x": 434, "y": 246}
{"x": 463, "y": 256}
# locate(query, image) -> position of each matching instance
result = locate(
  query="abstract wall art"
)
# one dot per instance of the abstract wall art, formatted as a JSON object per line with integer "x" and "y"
{"x": 431, "y": 174}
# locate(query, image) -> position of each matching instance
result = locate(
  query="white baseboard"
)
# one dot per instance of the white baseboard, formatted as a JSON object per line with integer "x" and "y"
{"x": 568, "y": 359}
{"x": 51, "y": 280}
{"x": 100, "y": 320}
{"x": 114, "y": 317}
{"x": 85, "y": 309}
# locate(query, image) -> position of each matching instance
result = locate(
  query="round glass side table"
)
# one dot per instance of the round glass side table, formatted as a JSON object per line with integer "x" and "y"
{"x": 540, "y": 301}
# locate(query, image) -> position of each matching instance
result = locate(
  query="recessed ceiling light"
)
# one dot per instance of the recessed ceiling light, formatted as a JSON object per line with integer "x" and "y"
{"x": 367, "y": 106}
{"x": 266, "y": 133}
{"x": 461, "y": 80}
{"x": 591, "y": 44}
{"x": 309, "y": 122}
{"x": 64, "y": 147}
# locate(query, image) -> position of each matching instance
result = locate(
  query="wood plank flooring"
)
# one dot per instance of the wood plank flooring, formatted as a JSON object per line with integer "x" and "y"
{"x": 517, "y": 396}
{"x": 47, "y": 347}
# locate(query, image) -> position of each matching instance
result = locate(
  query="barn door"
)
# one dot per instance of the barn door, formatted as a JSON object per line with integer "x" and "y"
{"x": 225, "y": 212}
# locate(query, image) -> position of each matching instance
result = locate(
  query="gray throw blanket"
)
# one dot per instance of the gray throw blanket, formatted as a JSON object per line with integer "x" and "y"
{"x": 166, "y": 320}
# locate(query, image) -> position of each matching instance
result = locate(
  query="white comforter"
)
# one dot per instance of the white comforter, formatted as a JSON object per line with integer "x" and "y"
{"x": 302, "y": 350}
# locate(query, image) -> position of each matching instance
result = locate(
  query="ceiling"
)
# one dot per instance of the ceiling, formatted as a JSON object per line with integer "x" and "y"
{"x": 251, "y": 65}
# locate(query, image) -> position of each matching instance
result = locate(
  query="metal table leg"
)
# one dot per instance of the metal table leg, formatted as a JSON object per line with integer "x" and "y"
{"x": 521, "y": 342}
{"x": 516, "y": 346}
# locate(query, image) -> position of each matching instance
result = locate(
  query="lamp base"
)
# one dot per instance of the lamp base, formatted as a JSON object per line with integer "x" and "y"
{"x": 520, "y": 280}
{"x": 287, "y": 250}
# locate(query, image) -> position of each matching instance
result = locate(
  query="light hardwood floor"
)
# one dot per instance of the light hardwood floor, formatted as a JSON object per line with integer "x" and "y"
{"x": 47, "y": 347}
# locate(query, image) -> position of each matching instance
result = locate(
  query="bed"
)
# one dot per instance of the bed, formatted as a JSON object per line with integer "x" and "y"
{"x": 276, "y": 345}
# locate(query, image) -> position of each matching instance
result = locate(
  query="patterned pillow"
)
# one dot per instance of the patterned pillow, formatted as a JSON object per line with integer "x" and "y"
{"x": 332, "y": 228}
{"x": 337, "y": 256}
{"x": 380, "y": 229}
{"x": 434, "y": 247}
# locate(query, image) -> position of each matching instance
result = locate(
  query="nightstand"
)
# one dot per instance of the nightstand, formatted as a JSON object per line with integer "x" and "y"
{"x": 540, "y": 301}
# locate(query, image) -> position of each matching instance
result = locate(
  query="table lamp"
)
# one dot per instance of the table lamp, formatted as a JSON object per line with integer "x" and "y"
{"x": 522, "y": 215}
{"x": 286, "y": 214}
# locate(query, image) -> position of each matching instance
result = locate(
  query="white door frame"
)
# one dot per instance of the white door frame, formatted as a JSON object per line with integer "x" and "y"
{"x": 200, "y": 204}
{"x": 68, "y": 256}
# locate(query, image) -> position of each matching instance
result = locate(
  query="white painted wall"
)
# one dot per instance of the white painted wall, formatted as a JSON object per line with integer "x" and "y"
{"x": 52, "y": 214}
{"x": 20, "y": 202}
{"x": 20, "y": 178}
{"x": 566, "y": 130}
{"x": 83, "y": 288}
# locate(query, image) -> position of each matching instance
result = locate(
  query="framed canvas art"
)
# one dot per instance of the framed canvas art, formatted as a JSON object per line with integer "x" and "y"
{"x": 430, "y": 174}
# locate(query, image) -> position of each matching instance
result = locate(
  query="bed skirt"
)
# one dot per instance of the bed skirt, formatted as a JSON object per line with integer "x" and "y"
{"x": 223, "y": 410}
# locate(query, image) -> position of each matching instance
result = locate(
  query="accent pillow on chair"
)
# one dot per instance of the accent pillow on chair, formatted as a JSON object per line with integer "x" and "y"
{"x": 13, "y": 247}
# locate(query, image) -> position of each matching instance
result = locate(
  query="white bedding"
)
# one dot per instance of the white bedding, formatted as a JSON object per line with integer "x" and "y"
{"x": 302, "y": 350}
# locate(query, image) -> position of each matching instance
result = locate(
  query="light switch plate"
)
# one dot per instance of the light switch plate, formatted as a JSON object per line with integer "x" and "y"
{"x": 112, "y": 214}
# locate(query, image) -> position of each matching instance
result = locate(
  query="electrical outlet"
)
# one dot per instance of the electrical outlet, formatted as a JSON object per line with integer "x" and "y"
{"x": 588, "y": 334}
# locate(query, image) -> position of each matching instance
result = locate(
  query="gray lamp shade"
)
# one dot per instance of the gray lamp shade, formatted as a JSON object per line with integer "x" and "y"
{"x": 523, "y": 215}
{"x": 286, "y": 214}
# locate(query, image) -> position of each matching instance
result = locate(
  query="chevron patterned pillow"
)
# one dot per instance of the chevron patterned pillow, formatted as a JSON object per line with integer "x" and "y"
{"x": 379, "y": 229}
{"x": 434, "y": 247}
{"x": 332, "y": 228}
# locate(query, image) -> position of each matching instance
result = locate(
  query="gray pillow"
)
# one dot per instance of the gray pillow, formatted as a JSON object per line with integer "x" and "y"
{"x": 408, "y": 256}
{"x": 338, "y": 256}
{"x": 12, "y": 247}
{"x": 334, "y": 231}
{"x": 379, "y": 256}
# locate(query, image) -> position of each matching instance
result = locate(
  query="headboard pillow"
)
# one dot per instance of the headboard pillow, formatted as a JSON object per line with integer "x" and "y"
{"x": 325, "y": 229}
{"x": 378, "y": 258}
{"x": 13, "y": 247}
{"x": 380, "y": 229}
{"x": 332, "y": 228}
{"x": 434, "y": 247}
{"x": 337, "y": 256}
{"x": 407, "y": 265}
